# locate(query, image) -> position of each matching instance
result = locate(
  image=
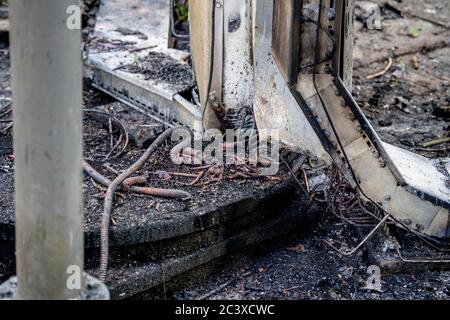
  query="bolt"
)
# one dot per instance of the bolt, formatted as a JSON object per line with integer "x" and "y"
{"x": 218, "y": 5}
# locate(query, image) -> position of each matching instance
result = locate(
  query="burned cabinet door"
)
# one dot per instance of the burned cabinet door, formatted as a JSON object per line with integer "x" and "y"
{"x": 286, "y": 38}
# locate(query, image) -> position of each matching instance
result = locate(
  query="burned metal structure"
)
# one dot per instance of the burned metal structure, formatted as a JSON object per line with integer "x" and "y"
{"x": 302, "y": 66}
{"x": 290, "y": 63}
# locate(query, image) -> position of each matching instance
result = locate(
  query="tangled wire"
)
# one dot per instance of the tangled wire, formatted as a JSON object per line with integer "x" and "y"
{"x": 344, "y": 203}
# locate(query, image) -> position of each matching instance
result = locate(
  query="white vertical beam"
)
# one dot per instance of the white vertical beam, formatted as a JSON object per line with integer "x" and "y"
{"x": 274, "y": 105}
{"x": 47, "y": 95}
{"x": 237, "y": 63}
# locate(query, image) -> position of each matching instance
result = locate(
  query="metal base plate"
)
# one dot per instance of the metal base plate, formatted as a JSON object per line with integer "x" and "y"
{"x": 94, "y": 290}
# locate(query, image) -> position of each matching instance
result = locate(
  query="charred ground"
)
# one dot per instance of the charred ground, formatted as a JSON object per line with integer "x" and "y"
{"x": 408, "y": 106}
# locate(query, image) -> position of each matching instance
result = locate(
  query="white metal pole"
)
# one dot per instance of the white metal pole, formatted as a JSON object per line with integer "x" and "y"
{"x": 47, "y": 95}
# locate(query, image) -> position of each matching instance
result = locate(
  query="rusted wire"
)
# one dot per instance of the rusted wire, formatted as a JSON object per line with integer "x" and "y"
{"x": 6, "y": 109}
{"x": 124, "y": 134}
{"x": 156, "y": 192}
{"x": 420, "y": 260}
{"x": 7, "y": 128}
{"x": 345, "y": 204}
{"x": 366, "y": 238}
{"x": 128, "y": 183}
{"x": 198, "y": 178}
{"x": 359, "y": 214}
{"x": 109, "y": 197}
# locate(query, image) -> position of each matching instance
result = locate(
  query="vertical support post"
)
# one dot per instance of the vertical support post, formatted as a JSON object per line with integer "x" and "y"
{"x": 286, "y": 43}
{"x": 47, "y": 95}
{"x": 206, "y": 49}
{"x": 237, "y": 78}
{"x": 221, "y": 33}
{"x": 344, "y": 27}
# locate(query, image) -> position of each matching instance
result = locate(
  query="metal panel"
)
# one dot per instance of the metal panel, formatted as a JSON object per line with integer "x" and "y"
{"x": 274, "y": 105}
{"x": 408, "y": 186}
{"x": 421, "y": 175}
{"x": 166, "y": 109}
{"x": 344, "y": 26}
{"x": 145, "y": 24}
{"x": 286, "y": 39}
{"x": 203, "y": 27}
{"x": 238, "y": 64}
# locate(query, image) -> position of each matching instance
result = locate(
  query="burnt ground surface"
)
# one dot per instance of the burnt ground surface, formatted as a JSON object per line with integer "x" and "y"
{"x": 407, "y": 106}
{"x": 305, "y": 268}
{"x": 162, "y": 68}
{"x": 131, "y": 210}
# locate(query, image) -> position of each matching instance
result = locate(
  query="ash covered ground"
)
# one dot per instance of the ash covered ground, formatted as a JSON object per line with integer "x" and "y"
{"x": 408, "y": 106}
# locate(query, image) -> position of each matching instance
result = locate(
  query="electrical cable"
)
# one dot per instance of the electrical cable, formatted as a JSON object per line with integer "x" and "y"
{"x": 329, "y": 55}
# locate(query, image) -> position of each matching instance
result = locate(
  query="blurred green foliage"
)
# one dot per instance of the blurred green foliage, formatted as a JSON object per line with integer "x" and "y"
{"x": 414, "y": 32}
{"x": 182, "y": 11}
